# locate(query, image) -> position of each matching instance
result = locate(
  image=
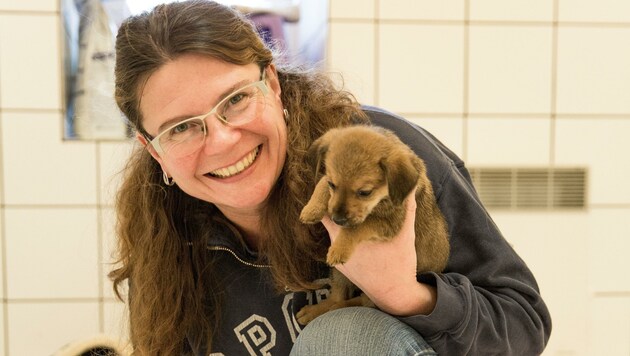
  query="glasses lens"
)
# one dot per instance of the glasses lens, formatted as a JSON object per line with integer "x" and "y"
{"x": 243, "y": 106}
{"x": 183, "y": 138}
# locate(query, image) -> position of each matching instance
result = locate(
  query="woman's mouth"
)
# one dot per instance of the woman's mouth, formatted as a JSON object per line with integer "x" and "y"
{"x": 238, "y": 167}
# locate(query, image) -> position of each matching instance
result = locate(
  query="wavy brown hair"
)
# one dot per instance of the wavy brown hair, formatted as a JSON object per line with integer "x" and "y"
{"x": 162, "y": 231}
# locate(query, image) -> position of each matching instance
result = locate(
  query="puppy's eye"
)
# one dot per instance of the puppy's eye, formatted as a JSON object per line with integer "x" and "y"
{"x": 332, "y": 185}
{"x": 364, "y": 193}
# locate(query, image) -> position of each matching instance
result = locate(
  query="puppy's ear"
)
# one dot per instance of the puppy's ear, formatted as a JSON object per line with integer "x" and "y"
{"x": 317, "y": 151}
{"x": 401, "y": 173}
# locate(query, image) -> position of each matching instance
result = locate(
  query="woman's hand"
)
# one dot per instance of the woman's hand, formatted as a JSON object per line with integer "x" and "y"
{"x": 386, "y": 271}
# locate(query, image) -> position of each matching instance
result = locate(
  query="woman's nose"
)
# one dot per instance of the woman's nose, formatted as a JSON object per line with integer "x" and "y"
{"x": 219, "y": 136}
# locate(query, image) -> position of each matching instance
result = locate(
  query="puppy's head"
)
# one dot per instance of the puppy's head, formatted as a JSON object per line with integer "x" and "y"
{"x": 364, "y": 166}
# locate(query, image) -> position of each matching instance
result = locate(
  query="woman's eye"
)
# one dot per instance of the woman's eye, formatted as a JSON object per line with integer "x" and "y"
{"x": 180, "y": 128}
{"x": 364, "y": 193}
{"x": 236, "y": 98}
{"x": 332, "y": 185}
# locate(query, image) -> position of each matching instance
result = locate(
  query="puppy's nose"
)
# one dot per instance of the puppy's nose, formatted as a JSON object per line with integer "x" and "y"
{"x": 340, "y": 220}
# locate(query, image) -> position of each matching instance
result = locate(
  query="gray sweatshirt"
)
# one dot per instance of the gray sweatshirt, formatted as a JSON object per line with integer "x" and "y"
{"x": 488, "y": 302}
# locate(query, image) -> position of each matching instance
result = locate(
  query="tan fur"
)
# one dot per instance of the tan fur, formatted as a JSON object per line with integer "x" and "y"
{"x": 369, "y": 173}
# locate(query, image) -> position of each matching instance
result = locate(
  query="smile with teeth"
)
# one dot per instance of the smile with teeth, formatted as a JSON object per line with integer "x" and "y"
{"x": 238, "y": 167}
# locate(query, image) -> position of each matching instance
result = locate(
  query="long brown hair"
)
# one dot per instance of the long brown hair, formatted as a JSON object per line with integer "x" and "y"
{"x": 161, "y": 230}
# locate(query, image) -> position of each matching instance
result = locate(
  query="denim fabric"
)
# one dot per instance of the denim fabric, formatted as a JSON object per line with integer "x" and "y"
{"x": 358, "y": 331}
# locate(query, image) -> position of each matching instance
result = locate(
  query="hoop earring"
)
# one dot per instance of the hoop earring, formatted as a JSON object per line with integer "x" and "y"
{"x": 168, "y": 181}
{"x": 286, "y": 114}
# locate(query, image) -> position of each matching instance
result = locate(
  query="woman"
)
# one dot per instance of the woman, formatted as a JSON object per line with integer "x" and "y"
{"x": 209, "y": 237}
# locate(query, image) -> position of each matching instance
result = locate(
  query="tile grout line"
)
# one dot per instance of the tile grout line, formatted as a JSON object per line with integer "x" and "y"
{"x": 57, "y": 300}
{"x": 99, "y": 240}
{"x": 502, "y": 115}
{"x": 375, "y": 71}
{"x": 498, "y": 23}
{"x": 3, "y": 245}
{"x": 553, "y": 100}
{"x": 466, "y": 78}
{"x": 51, "y": 206}
{"x": 554, "y": 85}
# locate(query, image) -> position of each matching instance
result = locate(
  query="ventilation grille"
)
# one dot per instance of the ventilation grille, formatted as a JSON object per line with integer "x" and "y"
{"x": 531, "y": 188}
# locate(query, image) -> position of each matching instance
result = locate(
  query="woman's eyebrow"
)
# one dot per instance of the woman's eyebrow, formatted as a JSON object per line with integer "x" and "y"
{"x": 231, "y": 89}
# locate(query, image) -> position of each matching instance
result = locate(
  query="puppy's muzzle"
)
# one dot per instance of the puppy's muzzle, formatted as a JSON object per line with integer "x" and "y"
{"x": 339, "y": 220}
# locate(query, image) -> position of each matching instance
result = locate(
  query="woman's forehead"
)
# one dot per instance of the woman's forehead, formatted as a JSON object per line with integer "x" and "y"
{"x": 187, "y": 86}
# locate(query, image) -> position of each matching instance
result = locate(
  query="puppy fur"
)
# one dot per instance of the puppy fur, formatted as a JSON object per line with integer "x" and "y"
{"x": 368, "y": 174}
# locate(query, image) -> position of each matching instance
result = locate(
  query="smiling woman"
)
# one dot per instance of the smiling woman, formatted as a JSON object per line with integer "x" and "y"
{"x": 208, "y": 66}
{"x": 208, "y": 212}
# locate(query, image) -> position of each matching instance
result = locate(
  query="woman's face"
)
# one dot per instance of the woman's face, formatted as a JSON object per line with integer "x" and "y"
{"x": 221, "y": 171}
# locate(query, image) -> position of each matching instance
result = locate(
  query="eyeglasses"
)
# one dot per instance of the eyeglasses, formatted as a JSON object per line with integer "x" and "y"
{"x": 239, "y": 108}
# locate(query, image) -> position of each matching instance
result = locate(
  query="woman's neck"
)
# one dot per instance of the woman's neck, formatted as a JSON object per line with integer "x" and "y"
{"x": 248, "y": 223}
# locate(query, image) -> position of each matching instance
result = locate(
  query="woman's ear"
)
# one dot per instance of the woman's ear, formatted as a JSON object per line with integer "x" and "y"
{"x": 274, "y": 82}
{"x": 143, "y": 141}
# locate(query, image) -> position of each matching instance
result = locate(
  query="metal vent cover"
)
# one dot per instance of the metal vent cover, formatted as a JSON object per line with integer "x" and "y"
{"x": 531, "y": 188}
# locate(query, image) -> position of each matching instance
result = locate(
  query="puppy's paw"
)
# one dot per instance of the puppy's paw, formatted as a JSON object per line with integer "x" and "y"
{"x": 306, "y": 315}
{"x": 311, "y": 216}
{"x": 310, "y": 312}
{"x": 336, "y": 256}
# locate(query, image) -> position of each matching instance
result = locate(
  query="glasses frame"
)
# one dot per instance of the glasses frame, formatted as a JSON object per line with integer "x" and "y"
{"x": 261, "y": 85}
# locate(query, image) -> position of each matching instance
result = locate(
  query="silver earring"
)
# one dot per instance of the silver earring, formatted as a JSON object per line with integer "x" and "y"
{"x": 286, "y": 114}
{"x": 168, "y": 181}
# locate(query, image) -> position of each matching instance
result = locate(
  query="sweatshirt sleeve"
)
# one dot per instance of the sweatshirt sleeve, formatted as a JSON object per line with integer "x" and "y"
{"x": 488, "y": 302}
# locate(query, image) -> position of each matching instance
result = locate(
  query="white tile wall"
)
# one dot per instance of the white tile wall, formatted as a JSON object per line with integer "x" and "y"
{"x": 353, "y": 9}
{"x": 602, "y": 145}
{"x": 108, "y": 243}
{"x": 609, "y": 243}
{"x": 2, "y": 341}
{"x": 112, "y": 158}
{"x": 555, "y": 246}
{"x": 30, "y": 61}
{"x": 610, "y": 317}
{"x": 499, "y": 90}
{"x": 53, "y": 192}
{"x": 499, "y": 84}
{"x": 506, "y": 142}
{"x": 448, "y": 130}
{"x": 425, "y": 74}
{"x": 41, "y": 168}
{"x": 2, "y": 267}
{"x": 117, "y": 321}
{"x": 43, "y": 328}
{"x": 510, "y": 69}
{"x": 351, "y": 51}
{"x": 593, "y": 72}
{"x": 511, "y": 10}
{"x": 29, "y": 5}
{"x": 51, "y": 253}
{"x": 604, "y": 11}
{"x": 421, "y": 9}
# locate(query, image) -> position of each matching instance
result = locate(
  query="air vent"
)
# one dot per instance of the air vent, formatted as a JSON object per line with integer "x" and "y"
{"x": 531, "y": 188}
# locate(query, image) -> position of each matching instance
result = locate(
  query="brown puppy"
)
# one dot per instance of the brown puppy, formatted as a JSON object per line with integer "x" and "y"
{"x": 369, "y": 173}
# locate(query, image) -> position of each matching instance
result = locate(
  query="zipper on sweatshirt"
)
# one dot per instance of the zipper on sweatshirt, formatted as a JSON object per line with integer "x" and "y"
{"x": 225, "y": 249}
{"x": 255, "y": 265}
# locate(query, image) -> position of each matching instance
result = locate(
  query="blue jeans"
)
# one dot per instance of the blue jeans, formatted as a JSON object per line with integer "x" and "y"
{"x": 358, "y": 331}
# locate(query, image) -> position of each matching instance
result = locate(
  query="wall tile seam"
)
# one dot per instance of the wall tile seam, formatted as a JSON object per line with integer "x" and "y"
{"x": 482, "y": 23}
{"x": 623, "y": 294}
{"x": 55, "y": 300}
{"x": 516, "y": 115}
{"x": 60, "y": 206}
{"x": 3, "y": 245}
{"x": 553, "y": 90}
{"x": 5, "y": 12}
{"x": 465, "y": 135}
{"x": 609, "y": 206}
{"x": 19, "y": 110}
